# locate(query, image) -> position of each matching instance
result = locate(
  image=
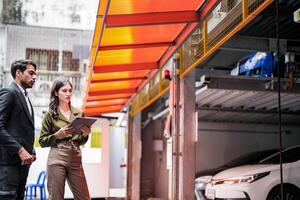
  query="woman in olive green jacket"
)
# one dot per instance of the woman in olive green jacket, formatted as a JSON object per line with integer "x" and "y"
{"x": 64, "y": 159}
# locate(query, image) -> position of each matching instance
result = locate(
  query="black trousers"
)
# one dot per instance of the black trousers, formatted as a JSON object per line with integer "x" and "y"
{"x": 13, "y": 182}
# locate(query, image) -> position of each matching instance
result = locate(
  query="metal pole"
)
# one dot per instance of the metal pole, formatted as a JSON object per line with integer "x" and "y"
{"x": 175, "y": 130}
{"x": 129, "y": 158}
{"x": 279, "y": 96}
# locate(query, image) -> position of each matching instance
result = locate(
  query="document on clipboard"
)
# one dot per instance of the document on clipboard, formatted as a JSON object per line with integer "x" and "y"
{"x": 80, "y": 122}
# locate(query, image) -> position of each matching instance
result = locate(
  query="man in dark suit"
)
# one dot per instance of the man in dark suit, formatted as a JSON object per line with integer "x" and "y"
{"x": 16, "y": 131}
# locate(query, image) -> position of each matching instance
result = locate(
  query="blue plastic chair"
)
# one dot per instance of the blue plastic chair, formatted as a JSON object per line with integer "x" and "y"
{"x": 31, "y": 188}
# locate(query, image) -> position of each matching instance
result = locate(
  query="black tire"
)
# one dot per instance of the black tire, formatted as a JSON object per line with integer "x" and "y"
{"x": 289, "y": 193}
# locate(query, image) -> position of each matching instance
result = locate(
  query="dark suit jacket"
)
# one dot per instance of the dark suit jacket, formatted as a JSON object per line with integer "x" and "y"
{"x": 16, "y": 125}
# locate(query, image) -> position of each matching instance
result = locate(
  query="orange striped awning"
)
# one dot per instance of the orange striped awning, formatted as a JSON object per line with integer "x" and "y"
{"x": 132, "y": 40}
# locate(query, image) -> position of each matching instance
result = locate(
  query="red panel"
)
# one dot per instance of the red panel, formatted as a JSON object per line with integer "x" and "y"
{"x": 116, "y": 76}
{"x": 109, "y": 92}
{"x": 135, "y": 46}
{"x": 128, "y": 56}
{"x": 147, "y": 6}
{"x": 94, "y": 104}
{"x": 108, "y": 97}
{"x": 141, "y": 34}
{"x": 113, "y": 85}
{"x": 124, "y": 67}
{"x": 100, "y": 110}
{"x": 169, "y": 17}
{"x": 121, "y": 79}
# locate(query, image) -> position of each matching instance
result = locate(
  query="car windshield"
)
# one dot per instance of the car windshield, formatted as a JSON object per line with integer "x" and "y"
{"x": 288, "y": 156}
{"x": 251, "y": 158}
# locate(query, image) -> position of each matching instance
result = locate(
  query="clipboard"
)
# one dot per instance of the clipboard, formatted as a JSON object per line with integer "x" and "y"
{"x": 80, "y": 122}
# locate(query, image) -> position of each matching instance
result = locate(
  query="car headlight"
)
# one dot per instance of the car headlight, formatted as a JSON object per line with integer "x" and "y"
{"x": 203, "y": 179}
{"x": 242, "y": 179}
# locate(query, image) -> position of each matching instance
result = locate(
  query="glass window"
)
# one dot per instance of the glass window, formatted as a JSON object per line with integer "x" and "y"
{"x": 288, "y": 156}
{"x": 45, "y": 59}
{"x": 69, "y": 64}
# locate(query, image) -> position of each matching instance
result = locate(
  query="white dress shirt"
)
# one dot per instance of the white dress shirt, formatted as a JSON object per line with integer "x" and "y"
{"x": 27, "y": 99}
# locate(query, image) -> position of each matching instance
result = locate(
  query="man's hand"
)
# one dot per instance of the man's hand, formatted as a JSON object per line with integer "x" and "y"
{"x": 25, "y": 157}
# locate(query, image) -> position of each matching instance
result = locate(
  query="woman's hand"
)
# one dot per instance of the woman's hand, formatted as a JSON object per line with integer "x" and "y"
{"x": 85, "y": 131}
{"x": 63, "y": 132}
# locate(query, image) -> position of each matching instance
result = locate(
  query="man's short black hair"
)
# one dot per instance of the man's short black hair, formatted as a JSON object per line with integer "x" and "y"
{"x": 21, "y": 65}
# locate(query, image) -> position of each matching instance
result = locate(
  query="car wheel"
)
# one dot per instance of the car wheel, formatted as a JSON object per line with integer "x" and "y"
{"x": 289, "y": 193}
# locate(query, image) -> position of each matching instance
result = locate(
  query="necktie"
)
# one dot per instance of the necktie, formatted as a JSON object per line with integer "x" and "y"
{"x": 28, "y": 103}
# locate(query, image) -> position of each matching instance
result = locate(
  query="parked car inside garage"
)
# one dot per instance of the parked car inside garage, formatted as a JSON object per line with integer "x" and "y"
{"x": 204, "y": 177}
{"x": 259, "y": 181}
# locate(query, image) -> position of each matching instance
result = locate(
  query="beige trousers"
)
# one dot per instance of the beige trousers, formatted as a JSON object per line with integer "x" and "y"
{"x": 64, "y": 163}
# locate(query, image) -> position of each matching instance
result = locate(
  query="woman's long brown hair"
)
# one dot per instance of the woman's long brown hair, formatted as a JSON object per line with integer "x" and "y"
{"x": 53, "y": 106}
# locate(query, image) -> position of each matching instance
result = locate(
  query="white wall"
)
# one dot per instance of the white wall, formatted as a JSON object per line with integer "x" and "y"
{"x": 218, "y": 143}
{"x": 57, "y": 13}
{"x": 117, "y": 157}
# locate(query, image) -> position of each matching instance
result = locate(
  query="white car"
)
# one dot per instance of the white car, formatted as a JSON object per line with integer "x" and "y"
{"x": 260, "y": 181}
{"x": 204, "y": 177}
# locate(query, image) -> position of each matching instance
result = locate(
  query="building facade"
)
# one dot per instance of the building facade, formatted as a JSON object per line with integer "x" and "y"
{"x": 54, "y": 34}
{"x": 57, "y": 52}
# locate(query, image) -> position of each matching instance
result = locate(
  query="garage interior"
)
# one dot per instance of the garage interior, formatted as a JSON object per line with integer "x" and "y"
{"x": 236, "y": 114}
